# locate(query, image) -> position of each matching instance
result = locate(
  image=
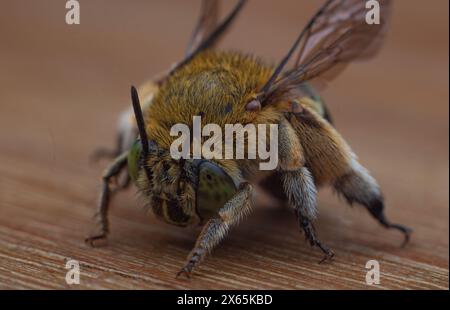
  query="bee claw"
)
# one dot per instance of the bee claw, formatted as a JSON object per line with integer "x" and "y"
{"x": 92, "y": 240}
{"x": 407, "y": 237}
{"x": 308, "y": 229}
{"x": 184, "y": 271}
{"x": 406, "y": 240}
{"x": 403, "y": 229}
{"x": 328, "y": 257}
{"x": 329, "y": 254}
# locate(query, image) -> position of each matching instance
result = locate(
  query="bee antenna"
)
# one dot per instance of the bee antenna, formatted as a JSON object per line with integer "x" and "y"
{"x": 139, "y": 118}
{"x": 141, "y": 126}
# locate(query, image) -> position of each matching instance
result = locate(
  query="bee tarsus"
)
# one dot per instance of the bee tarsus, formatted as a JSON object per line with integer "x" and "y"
{"x": 377, "y": 213}
{"x": 310, "y": 235}
{"x": 93, "y": 240}
{"x": 360, "y": 187}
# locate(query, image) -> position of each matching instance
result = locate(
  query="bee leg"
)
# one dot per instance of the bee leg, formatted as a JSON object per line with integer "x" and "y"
{"x": 102, "y": 212}
{"x": 216, "y": 228}
{"x": 360, "y": 187}
{"x": 298, "y": 183}
{"x": 125, "y": 137}
{"x": 106, "y": 153}
{"x": 301, "y": 192}
{"x": 124, "y": 182}
{"x": 290, "y": 151}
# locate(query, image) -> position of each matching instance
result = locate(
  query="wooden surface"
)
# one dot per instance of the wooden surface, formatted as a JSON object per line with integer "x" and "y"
{"x": 62, "y": 87}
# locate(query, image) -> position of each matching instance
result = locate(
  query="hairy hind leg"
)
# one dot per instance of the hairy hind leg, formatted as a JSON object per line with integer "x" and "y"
{"x": 360, "y": 187}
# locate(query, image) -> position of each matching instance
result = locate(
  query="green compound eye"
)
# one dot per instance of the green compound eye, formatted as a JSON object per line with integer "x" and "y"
{"x": 133, "y": 160}
{"x": 215, "y": 188}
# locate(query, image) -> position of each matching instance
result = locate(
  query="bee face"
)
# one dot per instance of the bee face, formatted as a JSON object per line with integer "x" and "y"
{"x": 181, "y": 192}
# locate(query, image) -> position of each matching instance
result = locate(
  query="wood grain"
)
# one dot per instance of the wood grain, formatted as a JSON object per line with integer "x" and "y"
{"x": 62, "y": 87}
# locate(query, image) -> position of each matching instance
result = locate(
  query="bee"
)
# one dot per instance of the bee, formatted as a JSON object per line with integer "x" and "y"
{"x": 231, "y": 87}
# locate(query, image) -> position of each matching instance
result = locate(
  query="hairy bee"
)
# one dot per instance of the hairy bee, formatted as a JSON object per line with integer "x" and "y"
{"x": 225, "y": 87}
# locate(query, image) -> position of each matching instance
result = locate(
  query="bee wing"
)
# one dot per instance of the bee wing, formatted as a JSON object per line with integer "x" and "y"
{"x": 206, "y": 34}
{"x": 206, "y": 24}
{"x": 337, "y": 35}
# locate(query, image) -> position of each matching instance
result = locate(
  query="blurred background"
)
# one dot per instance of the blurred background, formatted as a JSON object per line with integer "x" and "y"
{"x": 63, "y": 86}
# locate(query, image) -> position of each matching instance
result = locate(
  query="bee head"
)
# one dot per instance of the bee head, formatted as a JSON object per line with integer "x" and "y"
{"x": 181, "y": 191}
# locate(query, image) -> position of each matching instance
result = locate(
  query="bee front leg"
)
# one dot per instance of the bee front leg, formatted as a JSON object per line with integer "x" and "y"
{"x": 216, "y": 228}
{"x": 301, "y": 191}
{"x": 102, "y": 212}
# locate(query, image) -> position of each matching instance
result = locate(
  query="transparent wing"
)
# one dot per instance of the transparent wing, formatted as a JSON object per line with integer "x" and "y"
{"x": 337, "y": 35}
{"x": 206, "y": 24}
{"x": 206, "y": 34}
